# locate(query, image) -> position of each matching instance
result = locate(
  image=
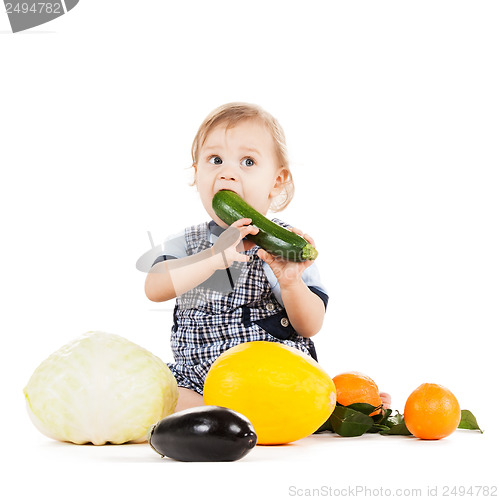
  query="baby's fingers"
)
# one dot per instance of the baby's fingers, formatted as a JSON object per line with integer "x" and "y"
{"x": 265, "y": 256}
{"x": 303, "y": 235}
{"x": 309, "y": 239}
{"x": 240, "y": 257}
{"x": 241, "y": 222}
{"x": 244, "y": 227}
{"x": 248, "y": 230}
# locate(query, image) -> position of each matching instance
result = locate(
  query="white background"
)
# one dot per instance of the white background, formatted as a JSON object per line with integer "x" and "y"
{"x": 391, "y": 114}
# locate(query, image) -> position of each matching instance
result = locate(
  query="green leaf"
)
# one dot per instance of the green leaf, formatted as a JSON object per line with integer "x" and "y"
{"x": 468, "y": 421}
{"x": 364, "y": 408}
{"x": 380, "y": 422}
{"x": 325, "y": 427}
{"x": 397, "y": 430}
{"x": 396, "y": 426}
{"x": 396, "y": 419}
{"x": 379, "y": 428}
{"x": 382, "y": 418}
{"x": 350, "y": 423}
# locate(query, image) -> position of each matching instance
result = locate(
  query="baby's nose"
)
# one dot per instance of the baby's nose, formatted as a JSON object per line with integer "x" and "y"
{"x": 228, "y": 173}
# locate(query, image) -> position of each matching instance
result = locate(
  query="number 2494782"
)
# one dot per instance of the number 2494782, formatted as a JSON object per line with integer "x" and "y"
{"x": 33, "y": 8}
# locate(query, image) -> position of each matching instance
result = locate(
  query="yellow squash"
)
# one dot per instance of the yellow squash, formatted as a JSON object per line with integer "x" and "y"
{"x": 283, "y": 392}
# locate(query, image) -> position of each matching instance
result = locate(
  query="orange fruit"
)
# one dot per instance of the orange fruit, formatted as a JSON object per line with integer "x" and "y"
{"x": 432, "y": 412}
{"x": 355, "y": 387}
{"x": 283, "y": 392}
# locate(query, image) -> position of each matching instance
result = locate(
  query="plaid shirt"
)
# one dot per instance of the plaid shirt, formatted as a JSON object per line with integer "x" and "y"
{"x": 211, "y": 318}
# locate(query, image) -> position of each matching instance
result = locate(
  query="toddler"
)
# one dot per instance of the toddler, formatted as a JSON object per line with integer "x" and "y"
{"x": 228, "y": 290}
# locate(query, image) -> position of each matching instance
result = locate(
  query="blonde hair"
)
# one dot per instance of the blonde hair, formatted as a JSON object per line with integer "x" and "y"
{"x": 231, "y": 114}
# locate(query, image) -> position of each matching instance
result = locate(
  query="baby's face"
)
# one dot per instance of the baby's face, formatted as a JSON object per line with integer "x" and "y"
{"x": 241, "y": 159}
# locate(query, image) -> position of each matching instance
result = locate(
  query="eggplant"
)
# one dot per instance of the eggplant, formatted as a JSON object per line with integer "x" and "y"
{"x": 203, "y": 434}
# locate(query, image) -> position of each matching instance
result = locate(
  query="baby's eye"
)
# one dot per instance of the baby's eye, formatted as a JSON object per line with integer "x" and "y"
{"x": 247, "y": 162}
{"x": 215, "y": 160}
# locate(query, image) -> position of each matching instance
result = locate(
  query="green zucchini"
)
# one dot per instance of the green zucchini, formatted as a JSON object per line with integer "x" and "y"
{"x": 275, "y": 239}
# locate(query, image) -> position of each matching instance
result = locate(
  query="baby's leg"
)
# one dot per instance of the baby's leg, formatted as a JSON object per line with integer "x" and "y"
{"x": 187, "y": 398}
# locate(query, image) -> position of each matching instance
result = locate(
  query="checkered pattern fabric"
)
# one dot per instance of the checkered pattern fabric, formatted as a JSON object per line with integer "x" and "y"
{"x": 207, "y": 322}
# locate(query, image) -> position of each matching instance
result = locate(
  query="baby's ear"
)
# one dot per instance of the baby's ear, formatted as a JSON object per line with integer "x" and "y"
{"x": 195, "y": 176}
{"x": 281, "y": 178}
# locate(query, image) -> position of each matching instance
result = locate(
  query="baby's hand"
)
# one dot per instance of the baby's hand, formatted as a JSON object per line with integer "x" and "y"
{"x": 228, "y": 244}
{"x": 287, "y": 272}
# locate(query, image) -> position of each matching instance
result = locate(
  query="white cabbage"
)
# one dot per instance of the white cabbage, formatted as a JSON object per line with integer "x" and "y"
{"x": 100, "y": 388}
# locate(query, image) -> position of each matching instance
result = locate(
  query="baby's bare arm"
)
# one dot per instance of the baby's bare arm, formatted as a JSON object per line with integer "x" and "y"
{"x": 171, "y": 278}
{"x": 304, "y": 308}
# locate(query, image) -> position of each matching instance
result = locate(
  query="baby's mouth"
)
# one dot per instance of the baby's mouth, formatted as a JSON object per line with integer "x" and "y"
{"x": 227, "y": 189}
